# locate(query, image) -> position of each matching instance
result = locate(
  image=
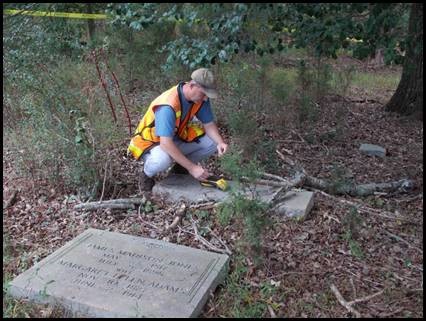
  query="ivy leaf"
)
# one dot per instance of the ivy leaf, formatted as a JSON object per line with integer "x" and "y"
{"x": 78, "y": 139}
{"x": 135, "y": 25}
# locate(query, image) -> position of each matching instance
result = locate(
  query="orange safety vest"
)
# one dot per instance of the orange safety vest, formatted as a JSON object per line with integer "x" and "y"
{"x": 145, "y": 138}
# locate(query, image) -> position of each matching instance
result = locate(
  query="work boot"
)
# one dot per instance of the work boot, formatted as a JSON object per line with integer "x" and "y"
{"x": 178, "y": 169}
{"x": 145, "y": 183}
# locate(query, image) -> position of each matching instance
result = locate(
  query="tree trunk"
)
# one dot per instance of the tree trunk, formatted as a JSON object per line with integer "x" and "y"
{"x": 90, "y": 23}
{"x": 408, "y": 98}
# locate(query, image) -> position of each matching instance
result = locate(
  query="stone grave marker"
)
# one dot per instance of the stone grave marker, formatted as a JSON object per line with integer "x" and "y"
{"x": 109, "y": 274}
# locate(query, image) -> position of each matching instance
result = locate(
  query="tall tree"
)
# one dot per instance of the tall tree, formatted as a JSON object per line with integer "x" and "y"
{"x": 408, "y": 98}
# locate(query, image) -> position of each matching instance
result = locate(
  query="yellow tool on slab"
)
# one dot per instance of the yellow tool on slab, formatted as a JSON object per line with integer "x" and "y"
{"x": 217, "y": 182}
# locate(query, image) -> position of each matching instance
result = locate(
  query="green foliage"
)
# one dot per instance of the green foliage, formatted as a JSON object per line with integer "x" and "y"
{"x": 244, "y": 108}
{"x": 355, "y": 248}
{"x": 374, "y": 82}
{"x": 250, "y": 211}
{"x": 342, "y": 79}
{"x": 31, "y": 41}
{"x": 217, "y": 32}
{"x": 340, "y": 180}
{"x": 322, "y": 80}
{"x": 265, "y": 153}
{"x": 233, "y": 164}
{"x": 305, "y": 101}
{"x": 236, "y": 289}
{"x": 306, "y": 109}
{"x": 13, "y": 308}
{"x": 63, "y": 132}
{"x": 352, "y": 223}
{"x": 239, "y": 298}
{"x": 225, "y": 214}
{"x": 138, "y": 53}
{"x": 282, "y": 84}
{"x": 243, "y": 127}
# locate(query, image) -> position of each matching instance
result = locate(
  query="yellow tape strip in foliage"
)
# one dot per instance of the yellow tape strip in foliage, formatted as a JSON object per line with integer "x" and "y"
{"x": 57, "y": 14}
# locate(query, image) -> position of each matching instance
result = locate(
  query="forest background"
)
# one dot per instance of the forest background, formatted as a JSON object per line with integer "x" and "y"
{"x": 305, "y": 82}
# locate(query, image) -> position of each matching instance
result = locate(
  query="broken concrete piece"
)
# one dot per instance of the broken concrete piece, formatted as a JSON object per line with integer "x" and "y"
{"x": 297, "y": 204}
{"x": 373, "y": 150}
{"x": 178, "y": 187}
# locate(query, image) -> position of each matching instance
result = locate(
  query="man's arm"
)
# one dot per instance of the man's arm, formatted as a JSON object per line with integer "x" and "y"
{"x": 165, "y": 123}
{"x": 213, "y": 132}
{"x": 197, "y": 171}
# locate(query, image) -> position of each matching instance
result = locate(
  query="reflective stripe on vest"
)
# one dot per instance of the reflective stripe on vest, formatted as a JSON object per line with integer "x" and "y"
{"x": 145, "y": 138}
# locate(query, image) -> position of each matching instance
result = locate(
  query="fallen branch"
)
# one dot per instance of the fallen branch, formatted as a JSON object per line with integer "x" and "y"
{"x": 180, "y": 213}
{"x": 175, "y": 222}
{"x": 280, "y": 196}
{"x": 121, "y": 203}
{"x": 343, "y": 302}
{"x": 402, "y": 240}
{"x": 271, "y": 311}
{"x": 205, "y": 242}
{"x": 402, "y": 185}
{"x": 361, "y": 189}
{"x": 366, "y": 298}
{"x": 228, "y": 251}
{"x": 11, "y": 200}
{"x": 285, "y": 159}
{"x": 206, "y": 205}
{"x": 279, "y": 178}
{"x": 103, "y": 184}
{"x": 366, "y": 209}
{"x": 410, "y": 198}
{"x": 178, "y": 216}
{"x": 269, "y": 183}
{"x": 348, "y": 305}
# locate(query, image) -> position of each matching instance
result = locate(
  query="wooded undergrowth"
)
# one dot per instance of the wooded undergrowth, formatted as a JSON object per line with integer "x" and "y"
{"x": 72, "y": 98}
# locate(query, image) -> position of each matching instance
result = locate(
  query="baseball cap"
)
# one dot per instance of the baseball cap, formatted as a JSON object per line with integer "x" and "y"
{"x": 204, "y": 77}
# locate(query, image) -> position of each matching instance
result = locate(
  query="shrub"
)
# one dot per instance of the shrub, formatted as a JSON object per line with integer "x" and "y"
{"x": 282, "y": 84}
{"x": 352, "y": 223}
{"x": 66, "y": 130}
{"x": 249, "y": 210}
{"x": 342, "y": 79}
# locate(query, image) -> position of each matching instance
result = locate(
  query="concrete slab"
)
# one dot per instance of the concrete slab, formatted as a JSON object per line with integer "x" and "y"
{"x": 178, "y": 187}
{"x": 297, "y": 204}
{"x": 108, "y": 274}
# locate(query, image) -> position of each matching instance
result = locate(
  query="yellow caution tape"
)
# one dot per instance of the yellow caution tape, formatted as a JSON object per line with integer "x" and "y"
{"x": 57, "y": 14}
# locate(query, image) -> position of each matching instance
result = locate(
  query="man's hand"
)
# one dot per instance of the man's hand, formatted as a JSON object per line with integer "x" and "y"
{"x": 213, "y": 132}
{"x": 198, "y": 172}
{"x": 222, "y": 148}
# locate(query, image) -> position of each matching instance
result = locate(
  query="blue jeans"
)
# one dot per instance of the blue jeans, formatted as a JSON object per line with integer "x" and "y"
{"x": 157, "y": 160}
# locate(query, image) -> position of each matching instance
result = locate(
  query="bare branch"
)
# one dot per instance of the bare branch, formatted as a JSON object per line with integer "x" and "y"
{"x": 402, "y": 240}
{"x": 343, "y": 302}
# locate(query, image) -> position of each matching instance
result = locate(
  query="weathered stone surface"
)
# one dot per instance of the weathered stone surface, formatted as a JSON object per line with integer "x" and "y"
{"x": 373, "y": 150}
{"x": 177, "y": 187}
{"x": 108, "y": 274}
{"x": 297, "y": 204}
